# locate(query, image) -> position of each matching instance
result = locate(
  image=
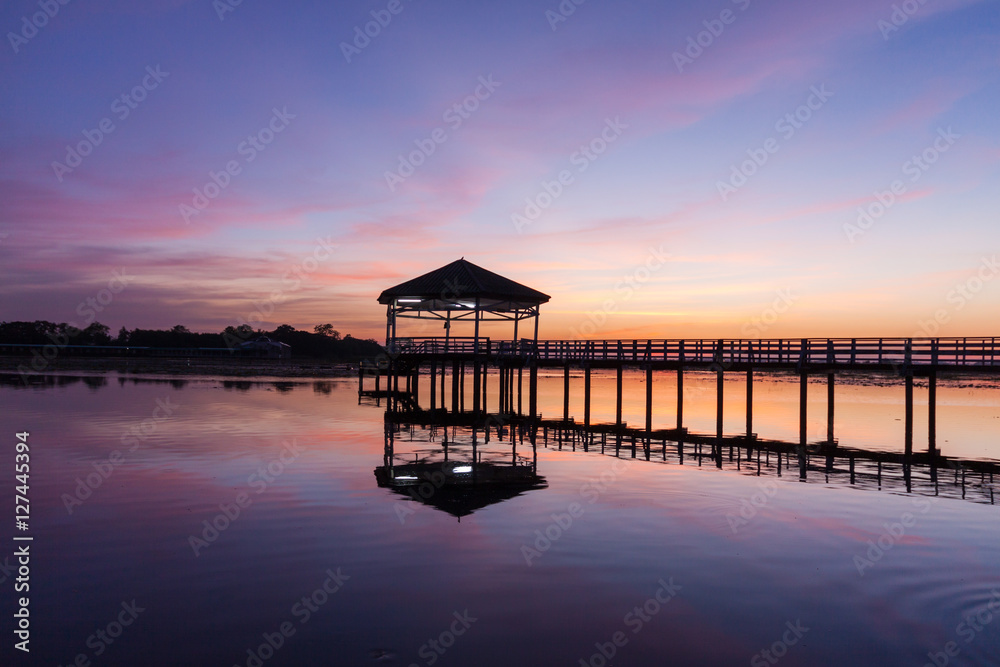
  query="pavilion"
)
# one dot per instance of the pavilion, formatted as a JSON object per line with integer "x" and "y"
{"x": 461, "y": 292}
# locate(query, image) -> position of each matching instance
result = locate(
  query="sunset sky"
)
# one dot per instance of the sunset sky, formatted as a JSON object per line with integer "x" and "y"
{"x": 662, "y": 169}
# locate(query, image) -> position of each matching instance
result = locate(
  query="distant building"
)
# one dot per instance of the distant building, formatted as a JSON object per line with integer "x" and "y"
{"x": 264, "y": 348}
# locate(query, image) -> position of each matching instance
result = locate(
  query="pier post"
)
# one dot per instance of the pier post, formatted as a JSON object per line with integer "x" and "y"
{"x": 680, "y": 396}
{"x": 415, "y": 390}
{"x": 718, "y": 408}
{"x": 932, "y": 412}
{"x": 505, "y": 383}
{"x": 520, "y": 388}
{"x": 829, "y": 407}
{"x": 486, "y": 379}
{"x": 803, "y": 405}
{"x": 909, "y": 414}
{"x": 433, "y": 374}
{"x": 476, "y": 389}
{"x": 749, "y": 403}
{"x": 566, "y": 392}
{"x": 455, "y": 401}
{"x": 444, "y": 371}
{"x": 649, "y": 407}
{"x": 533, "y": 389}
{"x": 501, "y": 388}
{"x": 586, "y": 396}
{"x": 461, "y": 387}
{"x": 618, "y": 402}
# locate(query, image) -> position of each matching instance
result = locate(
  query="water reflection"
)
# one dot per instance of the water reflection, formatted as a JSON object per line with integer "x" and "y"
{"x": 456, "y": 474}
{"x": 929, "y": 474}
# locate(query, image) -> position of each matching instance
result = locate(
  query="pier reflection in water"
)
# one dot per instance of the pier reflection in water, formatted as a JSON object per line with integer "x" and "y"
{"x": 433, "y": 466}
{"x": 457, "y": 474}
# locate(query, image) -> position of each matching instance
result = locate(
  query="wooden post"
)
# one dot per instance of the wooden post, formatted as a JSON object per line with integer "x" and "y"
{"x": 586, "y": 396}
{"x": 444, "y": 371}
{"x": 718, "y": 408}
{"x": 909, "y": 414}
{"x": 749, "y": 402}
{"x": 455, "y": 401}
{"x": 566, "y": 392}
{"x": 461, "y": 387}
{"x": 502, "y": 395}
{"x": 649, "y": 406}
{"x": 618, "y": 403}
{"x": 829, "y": 407}
{"x": 533, "y": 388}
{"x": 415, "y": 390}
{"x": 520, "y": 388}
{"x": 486, "y": 376}
{"x": 476, "y": 383}
{"x": 680, "y": 396}
{"x": 803, "y": 406}
{"x": 433, "y": 380}
{"x": 932, "y": 411}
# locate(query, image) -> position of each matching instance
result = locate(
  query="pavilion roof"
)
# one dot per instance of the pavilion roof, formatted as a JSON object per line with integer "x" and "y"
{"x": 463, "y": 280}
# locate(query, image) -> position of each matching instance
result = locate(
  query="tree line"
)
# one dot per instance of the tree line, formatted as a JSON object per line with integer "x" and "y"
{"x": 322, "y": 342}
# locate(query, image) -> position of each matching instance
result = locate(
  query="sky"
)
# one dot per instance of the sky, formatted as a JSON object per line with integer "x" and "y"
{"x": 723, "y": 169}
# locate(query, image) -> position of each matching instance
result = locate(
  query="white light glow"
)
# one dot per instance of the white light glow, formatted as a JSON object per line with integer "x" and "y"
{"x": 461, "y": 469}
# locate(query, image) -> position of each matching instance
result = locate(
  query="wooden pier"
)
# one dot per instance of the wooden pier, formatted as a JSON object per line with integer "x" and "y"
{"x": 464, "y": 293}
{"x": 437, "y": 359}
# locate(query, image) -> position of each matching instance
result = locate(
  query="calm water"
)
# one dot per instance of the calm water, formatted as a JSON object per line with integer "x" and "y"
{"x": 649, "y": 561}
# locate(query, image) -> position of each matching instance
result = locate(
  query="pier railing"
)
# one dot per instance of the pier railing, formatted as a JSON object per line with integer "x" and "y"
{"x": 931, "y": 352}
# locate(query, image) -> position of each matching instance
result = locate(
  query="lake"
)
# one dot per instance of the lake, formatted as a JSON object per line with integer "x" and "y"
{"x": 211, "y": 521}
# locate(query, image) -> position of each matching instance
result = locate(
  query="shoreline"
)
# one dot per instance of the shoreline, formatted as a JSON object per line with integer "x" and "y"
{"x": 173, "y": 367}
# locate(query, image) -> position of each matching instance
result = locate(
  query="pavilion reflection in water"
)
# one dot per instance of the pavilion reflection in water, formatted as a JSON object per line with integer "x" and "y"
{"x": 457, "y": 469}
